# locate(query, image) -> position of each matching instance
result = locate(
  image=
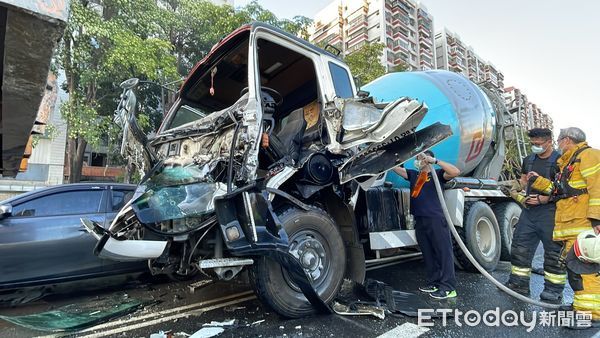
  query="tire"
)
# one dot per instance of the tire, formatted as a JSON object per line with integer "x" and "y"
{"x": 272, "y": 284}
{"x": 507, "y": 214}
{"x": 479, "y": 215}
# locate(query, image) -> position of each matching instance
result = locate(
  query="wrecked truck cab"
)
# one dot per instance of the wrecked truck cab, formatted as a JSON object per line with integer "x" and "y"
{"x": 217, "y": 197}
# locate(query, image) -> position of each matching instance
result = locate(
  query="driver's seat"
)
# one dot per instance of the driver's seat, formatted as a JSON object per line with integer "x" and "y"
{"x": 286, "y": 138}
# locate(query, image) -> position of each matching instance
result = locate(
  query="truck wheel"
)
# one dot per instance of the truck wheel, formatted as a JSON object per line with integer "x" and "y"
{"x": 316, "y": 241}
{"x": 481, "y": 235}
{"x": 507, "y": 214}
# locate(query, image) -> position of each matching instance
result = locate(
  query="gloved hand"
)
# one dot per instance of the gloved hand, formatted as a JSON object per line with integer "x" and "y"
{"x": 519, "y": 197}
{"x": 508, "y": 187}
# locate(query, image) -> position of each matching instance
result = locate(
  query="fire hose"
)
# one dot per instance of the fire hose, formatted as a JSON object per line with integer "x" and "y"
{"x": 473, "y": 261}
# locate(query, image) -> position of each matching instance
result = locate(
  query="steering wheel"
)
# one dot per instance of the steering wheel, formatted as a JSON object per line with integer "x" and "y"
{"x": 274, "y": 94}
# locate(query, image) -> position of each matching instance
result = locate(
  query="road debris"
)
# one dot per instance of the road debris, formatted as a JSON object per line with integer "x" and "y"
{"x": 258, "y": 322}
{"x": 357, "y": 309}
{"x": 207, "y": 332}
{"x": 169, "y": 334}
{"x": 394, "y": 301}
{"x": 233, "y": 308}
{"x": 78, "y": 316}
{"x": 229, "y": 322}
{"x": 200, "y": 284}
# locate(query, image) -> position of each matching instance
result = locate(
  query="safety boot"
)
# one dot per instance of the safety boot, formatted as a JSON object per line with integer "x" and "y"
{"x": 551, "y": 296}
{"x": 522, "y": 289}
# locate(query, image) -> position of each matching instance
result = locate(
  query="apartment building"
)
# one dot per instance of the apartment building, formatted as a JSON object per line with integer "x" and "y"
{"x": 403, "y": 26}
{"x": 527, "y": 114}
{"x": 454, "y": 55}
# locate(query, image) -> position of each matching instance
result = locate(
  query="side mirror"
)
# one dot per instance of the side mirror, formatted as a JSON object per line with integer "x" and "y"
{"x": 130, "y": 83}
{"x": 363, "y": 94}
{"x": 5, "y": 210}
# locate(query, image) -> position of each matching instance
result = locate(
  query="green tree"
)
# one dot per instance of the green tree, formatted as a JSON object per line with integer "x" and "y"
{"x": 108, "y": 41}
{"x": 511, "y": 169}
{"x": 365, "y": 63}
{"x": 298, "y": 26}
{"x": 104, "y": 43}
{"x": 402, "y": 67}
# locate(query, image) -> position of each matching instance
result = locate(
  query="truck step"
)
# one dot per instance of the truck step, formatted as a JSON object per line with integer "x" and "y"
{"x": 224, "y": 262}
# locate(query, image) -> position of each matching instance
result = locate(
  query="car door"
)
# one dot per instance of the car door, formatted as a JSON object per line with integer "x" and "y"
{"x": 118, "y": 197}
{"x": 43, "y": 239}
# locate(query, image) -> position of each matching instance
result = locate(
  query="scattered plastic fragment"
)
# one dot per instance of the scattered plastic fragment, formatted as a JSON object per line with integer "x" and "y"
{"x": 230, "y": 322}
{"x": 207, "y": 332}
{"x": 199, "y": 284}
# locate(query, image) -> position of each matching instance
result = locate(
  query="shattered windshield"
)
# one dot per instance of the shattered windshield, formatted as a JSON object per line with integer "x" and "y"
{"x": 177, "y": 193}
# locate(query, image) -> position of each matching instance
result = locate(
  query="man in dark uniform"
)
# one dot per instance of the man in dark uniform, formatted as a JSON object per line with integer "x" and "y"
{"x": 431, "y": 229}
{"x": 537, "y": 223}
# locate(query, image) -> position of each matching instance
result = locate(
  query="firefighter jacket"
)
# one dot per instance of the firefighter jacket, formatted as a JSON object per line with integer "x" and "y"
{"x": 577, "y": 190}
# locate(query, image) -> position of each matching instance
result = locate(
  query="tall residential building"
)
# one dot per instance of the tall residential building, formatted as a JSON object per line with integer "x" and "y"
{"x": 454, "y": 55}
{"x": 403, "y": 26}
{"x": 527, "y": 114}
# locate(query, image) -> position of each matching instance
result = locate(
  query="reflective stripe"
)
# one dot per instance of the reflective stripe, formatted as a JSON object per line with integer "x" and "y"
{"x": 591, "y": 171}
{"x": 569, "y": 232}
{"x": 580, "y": 184}
{"x": 523, "y": 272}
{"x": 554, "y": 278}
{"x": 548, "y": 188}
{"x": 594, "y": 201}
{"x": 587, "y": 302}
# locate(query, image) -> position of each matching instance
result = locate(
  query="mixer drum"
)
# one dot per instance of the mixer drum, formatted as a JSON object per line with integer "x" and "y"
{"x": 452, "y": 99}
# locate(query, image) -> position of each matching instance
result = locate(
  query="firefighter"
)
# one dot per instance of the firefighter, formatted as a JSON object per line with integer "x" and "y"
{"x": 537, "y": 223}
{"x": 577, "y": 191}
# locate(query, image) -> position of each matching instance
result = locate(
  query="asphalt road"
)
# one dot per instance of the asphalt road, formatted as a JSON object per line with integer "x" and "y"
{"x": 183, "y": 312}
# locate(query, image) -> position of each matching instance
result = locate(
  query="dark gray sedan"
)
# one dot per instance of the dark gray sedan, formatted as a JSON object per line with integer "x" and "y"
{"x": 42, "y": 240}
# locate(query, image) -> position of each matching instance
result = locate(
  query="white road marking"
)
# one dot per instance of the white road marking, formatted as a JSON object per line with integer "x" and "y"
{"x": 406, "y": 330}
{"x": 166, "y": 319}
{"x": 157, "y": 314}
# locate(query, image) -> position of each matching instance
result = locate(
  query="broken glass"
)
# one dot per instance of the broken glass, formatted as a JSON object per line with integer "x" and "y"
{"x": 162, "y": 203}
{"x": 78, "y": 316}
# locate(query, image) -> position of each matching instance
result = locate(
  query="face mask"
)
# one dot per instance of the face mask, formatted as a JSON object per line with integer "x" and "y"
{"x": 537, "y": 149}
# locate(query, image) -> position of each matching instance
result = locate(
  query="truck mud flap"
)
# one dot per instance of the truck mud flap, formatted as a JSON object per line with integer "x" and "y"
{"x": 383, "y": 156}
{"x": 262, "y": 236}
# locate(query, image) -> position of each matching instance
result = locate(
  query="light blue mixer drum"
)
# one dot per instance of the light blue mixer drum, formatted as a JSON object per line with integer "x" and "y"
{"x": 452, "y": 99}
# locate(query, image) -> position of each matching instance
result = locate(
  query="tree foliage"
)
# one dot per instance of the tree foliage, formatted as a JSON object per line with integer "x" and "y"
{"x": 365, "y": 63}
{"x": 108, "y": 41}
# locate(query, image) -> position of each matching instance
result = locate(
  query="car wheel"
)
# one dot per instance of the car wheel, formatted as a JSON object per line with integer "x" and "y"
{"x": 316, "y": 242}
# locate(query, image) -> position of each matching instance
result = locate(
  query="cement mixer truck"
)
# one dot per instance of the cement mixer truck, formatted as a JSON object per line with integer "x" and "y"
{"x": 271, "y": 161}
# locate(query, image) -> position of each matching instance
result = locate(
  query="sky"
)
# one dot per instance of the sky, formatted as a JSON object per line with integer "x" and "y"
{"x": 546, "y": 48}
